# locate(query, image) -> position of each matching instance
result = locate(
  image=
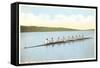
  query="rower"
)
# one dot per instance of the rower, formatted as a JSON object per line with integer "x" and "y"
{"x": 46, "y": 41}
{"x": 63, "y": 38}
{"x": 82, "y": 36}
{"x": 52, "y": 39}
{"x": 76, "y": 37}
{"x": 72, "y": 37}
{"x": 58, "y": 39}
{"x": 79, "y": 37}
{"x": 69, "y": 38}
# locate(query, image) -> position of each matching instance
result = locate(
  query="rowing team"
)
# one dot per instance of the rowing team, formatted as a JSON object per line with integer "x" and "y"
{"x": 63, "y": 38}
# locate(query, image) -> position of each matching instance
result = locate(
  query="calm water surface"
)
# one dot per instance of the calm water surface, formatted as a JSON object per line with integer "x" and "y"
{"x": 72, "y": 50}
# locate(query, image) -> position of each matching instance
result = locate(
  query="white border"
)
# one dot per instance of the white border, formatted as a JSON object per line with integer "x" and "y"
{"x": 19, "y": 39}
{"x": 46, "y": 61}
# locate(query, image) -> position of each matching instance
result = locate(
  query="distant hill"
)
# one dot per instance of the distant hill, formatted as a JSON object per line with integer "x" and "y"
{"x": 43, "y": 29}
{"x": 90, "y": 29}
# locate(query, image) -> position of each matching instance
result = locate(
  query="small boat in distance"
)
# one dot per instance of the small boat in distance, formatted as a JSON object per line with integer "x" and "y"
{"x": 59, "y": 40}
{"x": 64, "y": 40}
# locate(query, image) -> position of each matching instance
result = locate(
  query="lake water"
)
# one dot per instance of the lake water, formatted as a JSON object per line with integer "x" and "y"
{"x": 72, "y": 50}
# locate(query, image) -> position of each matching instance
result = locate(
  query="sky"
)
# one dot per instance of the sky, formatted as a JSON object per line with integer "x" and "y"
{"x": 53, "y": 16}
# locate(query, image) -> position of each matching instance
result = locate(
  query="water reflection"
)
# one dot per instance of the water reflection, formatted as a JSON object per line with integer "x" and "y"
{"x": 59, "y": 44}
{"x": 63, "y": 44}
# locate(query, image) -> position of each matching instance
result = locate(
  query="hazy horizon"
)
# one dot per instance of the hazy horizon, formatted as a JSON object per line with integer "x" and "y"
{"x": 64, "y": 17}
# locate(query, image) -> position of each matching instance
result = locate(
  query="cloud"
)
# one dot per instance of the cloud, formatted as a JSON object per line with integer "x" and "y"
{"x": 78, "y": 21}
